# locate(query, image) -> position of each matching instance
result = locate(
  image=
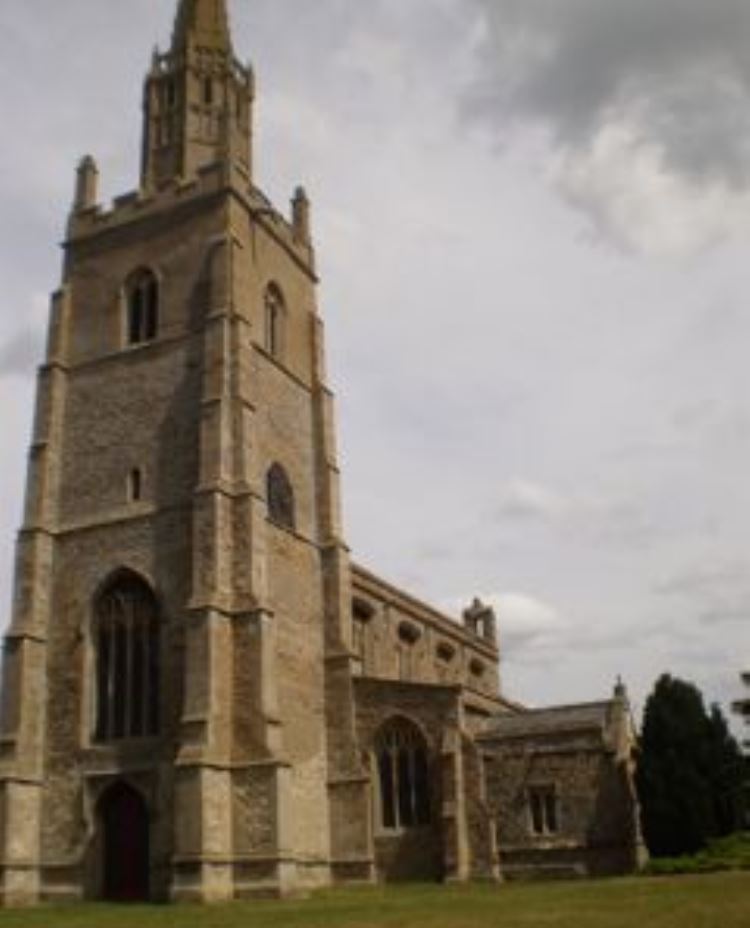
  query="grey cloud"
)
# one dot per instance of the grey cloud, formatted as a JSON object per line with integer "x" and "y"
{"x": 523, "y": 500}
{"x": 683, "y": 65}
{"x": 598, "y": 518}
{"x": 703, "y": 579}
{"x": 674, "y": 73}
{"x": 717, "y": 594}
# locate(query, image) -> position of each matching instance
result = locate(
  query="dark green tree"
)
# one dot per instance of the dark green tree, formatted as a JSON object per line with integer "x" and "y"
{"x": 726, "y": 775}
{"x": 689, "y": 771}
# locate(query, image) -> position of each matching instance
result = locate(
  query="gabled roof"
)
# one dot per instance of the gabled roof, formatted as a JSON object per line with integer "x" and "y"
{"x": 587, "y": 717}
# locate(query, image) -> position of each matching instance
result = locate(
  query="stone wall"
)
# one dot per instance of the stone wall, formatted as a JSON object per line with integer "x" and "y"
{"x": 397, "y": 637}
{"x": 596, "y": 814}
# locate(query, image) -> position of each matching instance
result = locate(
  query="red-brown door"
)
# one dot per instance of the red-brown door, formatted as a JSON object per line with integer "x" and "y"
{"x": 124, "y": 819}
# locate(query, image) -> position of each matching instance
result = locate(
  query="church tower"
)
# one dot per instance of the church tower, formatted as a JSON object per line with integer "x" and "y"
{"x": 178, "y": 716}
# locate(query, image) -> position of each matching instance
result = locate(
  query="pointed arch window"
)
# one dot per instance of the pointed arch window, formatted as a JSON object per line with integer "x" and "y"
{"x": 275, "y": 321}
{"x": 126, "y": 636}
{"x": 403, "y": 776}
{"x": 142, "y": 300}
{"x": 280, "y": 497}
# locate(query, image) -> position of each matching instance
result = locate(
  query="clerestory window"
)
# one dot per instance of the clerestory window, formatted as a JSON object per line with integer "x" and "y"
{"x": 403, "y": 776}
{"x": 126, "y": 636}
{"x": 142, "y": 299}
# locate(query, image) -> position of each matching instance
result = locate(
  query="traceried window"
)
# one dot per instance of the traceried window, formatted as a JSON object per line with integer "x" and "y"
{"x": 275, "y": 313}
{"x": 142, "y": 297}
{"x": 543, "y": 810}
{"x": 126, "y": 637}
{"x": 403, "y": 776}
{"x": 280, "y": 497}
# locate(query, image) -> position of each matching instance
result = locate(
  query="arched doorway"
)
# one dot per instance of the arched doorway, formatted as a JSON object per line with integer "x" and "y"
{"x": 125, "y": 845}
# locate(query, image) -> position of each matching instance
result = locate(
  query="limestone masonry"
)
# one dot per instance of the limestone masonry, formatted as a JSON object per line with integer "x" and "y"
{"x": 203, "y": 697}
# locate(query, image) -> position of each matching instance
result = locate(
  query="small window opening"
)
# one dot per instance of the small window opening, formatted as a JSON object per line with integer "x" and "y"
{"x": 142, "y": 295}
{"x": 208, "y": 91}
{"x": 477, "y": 669}
{"x": 170, "y": 93}
{"x": 409, "y": 633}
{"x": 543, "y": 810}
{"x": 445, "y": 652}
{"x": 280, "y": 497}
{"x": 275, "y": 313}
{"x": 135, "y": 485}
{"x": 362, "y": 609}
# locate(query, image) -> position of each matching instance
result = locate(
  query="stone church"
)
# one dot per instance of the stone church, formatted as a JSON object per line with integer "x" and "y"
{"x": 204, "y": 697}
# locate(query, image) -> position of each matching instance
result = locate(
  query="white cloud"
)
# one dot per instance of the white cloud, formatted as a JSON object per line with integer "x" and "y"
{"x": 635, "y": 200}
{"x": 526, "y": 622}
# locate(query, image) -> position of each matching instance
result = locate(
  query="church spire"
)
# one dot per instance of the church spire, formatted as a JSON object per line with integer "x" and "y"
{"x": 198, "y": 99}
{"x": 203, "y": 23}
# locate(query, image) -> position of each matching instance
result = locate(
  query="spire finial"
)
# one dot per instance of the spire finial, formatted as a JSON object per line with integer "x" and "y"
{"x": 205, "y": 22}
{"x": 87, "y": 179}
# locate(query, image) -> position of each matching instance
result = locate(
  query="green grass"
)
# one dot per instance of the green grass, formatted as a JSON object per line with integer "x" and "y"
{"x": 709, "y": 901}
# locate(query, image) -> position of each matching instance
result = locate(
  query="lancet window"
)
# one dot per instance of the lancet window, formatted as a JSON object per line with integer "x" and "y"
{"x": 275, "y": 312}
{"x": 142, "y": 296}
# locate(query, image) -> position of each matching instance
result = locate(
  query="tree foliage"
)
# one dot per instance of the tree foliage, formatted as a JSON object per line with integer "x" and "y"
{"x": 690, "y": 771}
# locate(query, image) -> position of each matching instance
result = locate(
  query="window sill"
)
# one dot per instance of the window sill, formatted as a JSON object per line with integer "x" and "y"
{"x": 386, "y": 833}
{"x": 123, "y": 744}
{"x": 133, "y": 754}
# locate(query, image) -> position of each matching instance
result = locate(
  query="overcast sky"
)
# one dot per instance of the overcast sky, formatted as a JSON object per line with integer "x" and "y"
{"x": 533, "y": 225}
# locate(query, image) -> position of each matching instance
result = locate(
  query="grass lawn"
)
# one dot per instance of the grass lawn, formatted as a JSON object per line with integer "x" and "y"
{"x": 709, "y": 901}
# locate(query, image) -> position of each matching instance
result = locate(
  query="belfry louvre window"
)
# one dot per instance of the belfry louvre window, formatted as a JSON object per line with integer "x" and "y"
{"x": 142, "y": 295}
{"x": 403, "y": 777}
{"x": 543, "y": 811}
{"x": 127, "y": 661}
{"x": 275, "y": 312}
{"x": 280, "y": 497}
